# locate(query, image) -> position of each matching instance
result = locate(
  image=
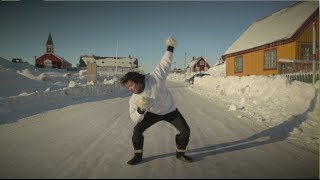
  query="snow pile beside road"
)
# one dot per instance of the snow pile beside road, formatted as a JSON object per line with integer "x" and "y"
{"x": 27, "y": 73}
{"x": 176, "y": 77}
{"x": 217, "y": 71}
{"x": 271, "y": 100}
{"x": 267, "y": 98}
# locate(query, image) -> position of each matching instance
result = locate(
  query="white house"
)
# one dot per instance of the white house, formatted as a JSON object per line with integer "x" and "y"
{"x": 109, "y": 64}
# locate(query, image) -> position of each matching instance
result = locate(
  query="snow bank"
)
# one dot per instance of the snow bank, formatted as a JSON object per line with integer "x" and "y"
{"x": 268, "y": 99}
{"x": 176, "y": 77}
{"x": 28, "y": 74}
{"x": 217, "y": 71}
{"x": 27, "y": 104}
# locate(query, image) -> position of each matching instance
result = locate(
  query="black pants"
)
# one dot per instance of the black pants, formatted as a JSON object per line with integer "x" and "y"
{"x": 174, "y": 117}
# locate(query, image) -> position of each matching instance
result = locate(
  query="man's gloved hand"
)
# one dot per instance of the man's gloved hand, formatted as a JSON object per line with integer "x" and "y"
{"x": 144, "y": 104}
{"x": 171, "y": 42}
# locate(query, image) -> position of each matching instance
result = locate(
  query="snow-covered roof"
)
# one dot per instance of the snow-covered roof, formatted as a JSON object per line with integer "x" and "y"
{"x": 59, "y": 57}
{"x": 278, "y": 26}
{"x": 110, "y": 61}
{"x": 194, "y": 61}
{"x": 294, "y": 61}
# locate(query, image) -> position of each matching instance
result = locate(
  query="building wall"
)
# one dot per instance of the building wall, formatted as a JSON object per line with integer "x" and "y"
{"x": 56, "y": 62}
{"x": 306, "y": 37}
{"x": 198, "y": 67}
{"x": 253, "y": 61}
{"x": 113, "y": 69}
{"x": 109, "y": 62}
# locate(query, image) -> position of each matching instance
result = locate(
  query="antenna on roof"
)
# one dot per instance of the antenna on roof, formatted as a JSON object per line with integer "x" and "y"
{"x": 205, "y": 53}
{"x": 205, "y": 58}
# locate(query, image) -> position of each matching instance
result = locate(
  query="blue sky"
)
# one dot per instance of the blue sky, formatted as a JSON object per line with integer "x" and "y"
{"x": 205, "y": 28}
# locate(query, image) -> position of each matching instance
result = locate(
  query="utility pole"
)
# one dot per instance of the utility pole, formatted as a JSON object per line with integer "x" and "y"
{"x": 117, "y": 59}
{"x": 185, "y": 60}
{"x": 205, "y": 58}
{"x": 314, "y": 53}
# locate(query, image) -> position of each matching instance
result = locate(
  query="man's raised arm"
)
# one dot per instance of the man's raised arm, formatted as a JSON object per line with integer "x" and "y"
{"x": 163, "y": 69}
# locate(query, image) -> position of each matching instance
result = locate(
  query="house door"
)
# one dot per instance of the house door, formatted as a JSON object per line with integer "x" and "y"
{"x": 47, "y": 63}
{"x": 59, "y": 65}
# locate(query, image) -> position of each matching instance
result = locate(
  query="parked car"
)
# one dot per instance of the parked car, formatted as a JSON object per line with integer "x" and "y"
{"x": 16, "y": 60}
{"x": 191, "y": 79}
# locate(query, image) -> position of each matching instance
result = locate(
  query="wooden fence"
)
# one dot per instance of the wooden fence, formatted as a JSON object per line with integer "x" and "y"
{"x": 304, "y": 77}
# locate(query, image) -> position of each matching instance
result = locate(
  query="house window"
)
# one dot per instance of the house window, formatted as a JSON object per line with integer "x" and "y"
{"x": 201, "y": 62}
{"x": 306, "y": 52}
{"x": 270, "y": 59}
{"x": 238, "y": 64}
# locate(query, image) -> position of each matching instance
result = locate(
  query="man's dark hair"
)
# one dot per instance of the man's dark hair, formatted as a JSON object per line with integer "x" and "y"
{"x": 134, "y": 77}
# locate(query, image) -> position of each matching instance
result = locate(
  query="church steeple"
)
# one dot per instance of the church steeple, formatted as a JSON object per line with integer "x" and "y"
{"x": 50, "y": 44}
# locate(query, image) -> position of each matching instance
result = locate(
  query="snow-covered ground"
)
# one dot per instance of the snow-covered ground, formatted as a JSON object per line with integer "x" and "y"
{"x": 270, "y": 100}
{"x": 76, "y": 121}
{"x": 27, "y": 90}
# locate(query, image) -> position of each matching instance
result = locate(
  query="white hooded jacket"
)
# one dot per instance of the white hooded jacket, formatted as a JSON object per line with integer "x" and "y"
{"x": 155, "y": 88}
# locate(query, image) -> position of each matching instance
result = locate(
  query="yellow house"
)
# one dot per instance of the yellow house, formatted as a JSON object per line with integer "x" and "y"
{"x": 277, "y": 44}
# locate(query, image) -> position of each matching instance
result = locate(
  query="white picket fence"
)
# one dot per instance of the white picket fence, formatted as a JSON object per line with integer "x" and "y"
{"x": 304, "y": 77}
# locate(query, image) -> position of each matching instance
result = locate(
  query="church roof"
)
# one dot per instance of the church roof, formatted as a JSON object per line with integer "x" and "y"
{"x": 49, "y": 41}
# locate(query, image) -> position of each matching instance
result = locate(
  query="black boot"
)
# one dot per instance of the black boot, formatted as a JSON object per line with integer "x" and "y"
{"x": 183, "y": 157}
{"x": 136, "y": 159}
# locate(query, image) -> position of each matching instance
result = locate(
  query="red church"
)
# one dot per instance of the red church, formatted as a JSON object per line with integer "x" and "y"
{"x": 51, "y": 60}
